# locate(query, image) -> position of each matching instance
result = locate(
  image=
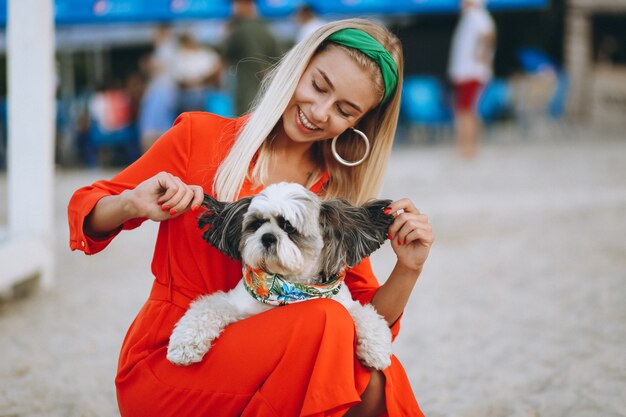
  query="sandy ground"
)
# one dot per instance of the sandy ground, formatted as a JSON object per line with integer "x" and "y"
{"x": 520, "y": 311}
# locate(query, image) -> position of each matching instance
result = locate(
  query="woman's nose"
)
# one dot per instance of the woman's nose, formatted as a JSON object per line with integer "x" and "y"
{"x": 320, "y": 111}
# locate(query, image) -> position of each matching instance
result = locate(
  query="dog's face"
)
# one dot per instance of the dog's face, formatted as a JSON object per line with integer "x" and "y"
{"x": 288, "y": 230}
{"x": 280, "y": 231}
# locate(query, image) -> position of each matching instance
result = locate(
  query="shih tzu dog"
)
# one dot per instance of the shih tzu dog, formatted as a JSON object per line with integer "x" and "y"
{"x": 293, "y": 247}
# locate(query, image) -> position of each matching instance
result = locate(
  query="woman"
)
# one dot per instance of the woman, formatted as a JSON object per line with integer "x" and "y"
{"x": 298, "y": 359}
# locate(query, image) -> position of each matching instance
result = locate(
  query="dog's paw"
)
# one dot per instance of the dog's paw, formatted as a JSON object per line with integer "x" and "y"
{"x": 377, "y": 357}
{"x": 373, "y": 337}
{"x": 193, "y": 334}
{"x": 180, "y": 353}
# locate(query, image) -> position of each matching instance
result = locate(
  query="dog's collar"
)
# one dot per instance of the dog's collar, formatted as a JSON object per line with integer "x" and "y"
{"x": 274, "y": 289}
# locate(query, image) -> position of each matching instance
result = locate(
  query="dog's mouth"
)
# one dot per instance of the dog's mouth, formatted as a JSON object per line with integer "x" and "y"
{"x": 270, "y": 259}
{"x": 272, "y": 266}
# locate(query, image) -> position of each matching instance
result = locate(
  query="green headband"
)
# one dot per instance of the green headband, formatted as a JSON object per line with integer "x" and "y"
{"x": 364, "y": 42}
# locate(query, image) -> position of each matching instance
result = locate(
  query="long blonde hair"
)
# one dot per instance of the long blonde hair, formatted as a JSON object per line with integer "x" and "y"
{"x": 356, "y": 184}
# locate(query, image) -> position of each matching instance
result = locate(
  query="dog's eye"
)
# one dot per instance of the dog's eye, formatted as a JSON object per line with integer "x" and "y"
{"x": 255, "y": 224}
{"x": 285, "y": 225}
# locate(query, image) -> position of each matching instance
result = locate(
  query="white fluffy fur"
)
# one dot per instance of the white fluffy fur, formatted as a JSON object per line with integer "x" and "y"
{"x": 301, "y": 209}
{"x": 289, "y": 201}
{"x": 295, "y": 258}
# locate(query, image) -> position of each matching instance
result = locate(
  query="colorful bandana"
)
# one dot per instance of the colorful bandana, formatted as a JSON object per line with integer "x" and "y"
{"x": 275, "y": 290}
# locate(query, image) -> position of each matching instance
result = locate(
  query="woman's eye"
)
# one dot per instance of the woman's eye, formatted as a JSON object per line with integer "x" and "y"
{"x": 342, "y": 112}
{"x": 317, "y": 87}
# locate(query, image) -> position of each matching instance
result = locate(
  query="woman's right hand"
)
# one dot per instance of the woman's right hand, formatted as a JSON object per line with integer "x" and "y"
{"x": 163, "y": 197}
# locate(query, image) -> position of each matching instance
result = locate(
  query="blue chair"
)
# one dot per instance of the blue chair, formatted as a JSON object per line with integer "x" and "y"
{"x": 495, "y": 102}
{"x": 220, "y": 103}
{"x": 424, "y": 104}
{"x": 533, "y": 60}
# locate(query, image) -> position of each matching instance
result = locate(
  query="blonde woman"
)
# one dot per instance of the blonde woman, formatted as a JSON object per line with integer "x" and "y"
{"x": 325, "y": 119}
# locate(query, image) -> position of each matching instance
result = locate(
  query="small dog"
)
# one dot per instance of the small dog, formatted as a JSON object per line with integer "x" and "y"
{"x": 293, "y": 246}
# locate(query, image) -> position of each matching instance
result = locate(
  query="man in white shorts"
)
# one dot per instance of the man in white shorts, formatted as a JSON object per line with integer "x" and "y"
{"x": 469, "y": 69}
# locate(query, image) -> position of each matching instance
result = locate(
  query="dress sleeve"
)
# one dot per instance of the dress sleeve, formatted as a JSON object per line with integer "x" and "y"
{"x": 364, "y": 285}
{"x": 170, "y": 154}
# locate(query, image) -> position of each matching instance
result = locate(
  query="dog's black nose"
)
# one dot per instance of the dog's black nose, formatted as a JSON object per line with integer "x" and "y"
{"x": 268, "y": 239}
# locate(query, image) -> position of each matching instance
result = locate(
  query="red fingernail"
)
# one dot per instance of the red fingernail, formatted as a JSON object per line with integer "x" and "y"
{"x": 387, "y": 210}
{"x": 194, "y": 209}
{"x": 389, "y": 236}
{"x": 173, "y": 212}
{"x": 165, "y": 208}
{"x": 159, "y": 202}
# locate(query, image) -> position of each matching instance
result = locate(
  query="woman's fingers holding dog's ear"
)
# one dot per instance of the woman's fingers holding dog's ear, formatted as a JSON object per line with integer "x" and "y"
{"x": 163, "y": 196}
{"x": 170, "y": 187}
{"x": 174, "y": 191}
{"x": 402, "y": 206}
{"x": 403, "y": 211}
{"x": 414, "y": 228}
{"x": 198, "y": 197}
{"x": 404, "y": 224}
{"x": 145, "y": 198}
{"x": 185, "y": 198}
{"x": 411, "y": 234}
{"x": 191, "y": 197}
{"x": 176, "y": 197}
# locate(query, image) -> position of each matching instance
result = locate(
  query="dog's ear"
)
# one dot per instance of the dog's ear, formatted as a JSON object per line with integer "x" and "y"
{"x": 352, "y": 233}
{"x": 225, "y": 224}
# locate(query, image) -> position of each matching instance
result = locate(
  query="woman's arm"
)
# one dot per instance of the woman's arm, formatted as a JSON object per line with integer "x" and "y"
{"x": 149, "y": 188}
{"x": 411, "y": 238}
{"x": 158, "y": 198}
{"x": 393, "y": 296}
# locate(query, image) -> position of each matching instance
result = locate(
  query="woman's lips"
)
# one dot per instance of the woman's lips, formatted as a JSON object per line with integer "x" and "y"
{"x": 303, "y": 122}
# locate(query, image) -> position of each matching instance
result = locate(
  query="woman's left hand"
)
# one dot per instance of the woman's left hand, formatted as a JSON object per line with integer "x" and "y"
{"x": 411, "y": 235}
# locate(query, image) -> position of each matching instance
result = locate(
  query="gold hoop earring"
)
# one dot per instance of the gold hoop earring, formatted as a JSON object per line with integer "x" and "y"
{"x": 333, "y": 147}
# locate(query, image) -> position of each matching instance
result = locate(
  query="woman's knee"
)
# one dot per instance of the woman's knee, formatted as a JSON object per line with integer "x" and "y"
{"x": 326, "y": 315}
{"x": 373, "y": 398}
{"x": 325, "y": 308}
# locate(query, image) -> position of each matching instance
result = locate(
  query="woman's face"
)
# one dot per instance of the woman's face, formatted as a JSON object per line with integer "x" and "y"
{"x": 332, "y": 95}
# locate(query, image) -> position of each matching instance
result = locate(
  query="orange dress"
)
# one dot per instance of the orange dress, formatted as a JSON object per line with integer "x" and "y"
{"x": 296, "y": 360}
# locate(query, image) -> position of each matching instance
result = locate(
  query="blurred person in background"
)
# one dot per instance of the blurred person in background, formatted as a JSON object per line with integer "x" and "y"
{"x": 331, "y": 99}
{"x": 197, "y": 70}
{"x": 157, "y": 111}
{"x": 308, "y": 22}
{"x": 111, "y": 107}
{"x": 134, "y": 84}
{"x": 112, "y": 122}
{"x": 470, "y": 69}
{"x": 250, "y": 48}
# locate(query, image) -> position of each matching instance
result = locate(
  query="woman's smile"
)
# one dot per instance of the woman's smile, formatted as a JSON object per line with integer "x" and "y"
{"x": 304, "y": 123}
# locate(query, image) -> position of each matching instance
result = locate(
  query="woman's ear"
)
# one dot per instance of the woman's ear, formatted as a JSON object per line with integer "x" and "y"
{"x": 352, "y": 233}
{"x": 225, "y": 224}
